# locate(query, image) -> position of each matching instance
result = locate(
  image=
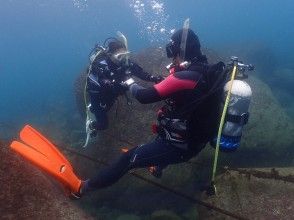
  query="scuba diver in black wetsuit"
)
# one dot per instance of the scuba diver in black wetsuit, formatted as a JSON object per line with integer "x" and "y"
{"x": 186, "y": 123}
{"x": 109, "y": 68}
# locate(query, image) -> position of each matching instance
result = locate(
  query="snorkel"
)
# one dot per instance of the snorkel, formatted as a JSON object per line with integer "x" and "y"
{"x": 123, "y": 55}
{"x": 178, "y": 52}
{"x": 184, "y": 39}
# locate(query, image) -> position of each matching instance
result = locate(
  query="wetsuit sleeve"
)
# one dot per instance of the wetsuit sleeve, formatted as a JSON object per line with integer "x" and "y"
{"x": 144, "y": 95}
{"x": 137, "y": 71}
{"x": 179, "y": 81}
{"x": 165, "y": 89}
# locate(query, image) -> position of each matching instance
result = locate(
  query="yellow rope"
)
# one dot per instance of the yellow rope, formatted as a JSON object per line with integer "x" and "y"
{"x": 222, "y": 124}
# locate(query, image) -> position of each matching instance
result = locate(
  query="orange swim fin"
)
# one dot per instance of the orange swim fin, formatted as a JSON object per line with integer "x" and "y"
{"x": 42, "y": 153}
{"x": 36, "y": 140}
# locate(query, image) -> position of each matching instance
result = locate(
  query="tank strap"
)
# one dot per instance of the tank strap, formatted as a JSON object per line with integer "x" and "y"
{"x": 239, "y": 119}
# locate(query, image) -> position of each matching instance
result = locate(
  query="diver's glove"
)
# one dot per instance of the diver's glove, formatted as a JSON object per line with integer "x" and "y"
{"x": 133, "y": 87}
{"x": 156, "y": 79}
{"x": 127, "y": 84}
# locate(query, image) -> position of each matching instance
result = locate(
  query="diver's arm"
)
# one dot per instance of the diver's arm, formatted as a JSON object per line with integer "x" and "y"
{"x": 144, "y": 95}
{"x": 176, "y": 82}
{"x": 163, "y": 90}
{"x": 137, "y": 71}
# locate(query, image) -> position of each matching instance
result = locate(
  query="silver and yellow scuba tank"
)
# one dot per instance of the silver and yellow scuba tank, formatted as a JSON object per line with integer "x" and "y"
{"x": 237, "y": 113}
{"x": 234, "y": 116}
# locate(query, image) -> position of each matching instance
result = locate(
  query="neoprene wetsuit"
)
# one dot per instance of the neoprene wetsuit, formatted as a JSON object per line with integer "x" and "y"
{"x": 184, "y": 126}
{"x": 104, "y": 85}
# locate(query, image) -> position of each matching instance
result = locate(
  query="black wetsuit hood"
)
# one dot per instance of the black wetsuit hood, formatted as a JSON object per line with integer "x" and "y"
{"x": 192, "y": 45}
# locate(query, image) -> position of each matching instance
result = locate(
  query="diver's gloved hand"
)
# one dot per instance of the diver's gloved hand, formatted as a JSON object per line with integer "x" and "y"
{"x": 126, "y": 84}
{"x": 156, "y": 79}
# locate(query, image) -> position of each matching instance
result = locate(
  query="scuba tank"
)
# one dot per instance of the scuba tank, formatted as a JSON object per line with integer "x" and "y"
{"x": 237, "y": 114}
{"x": 234, "y": 116}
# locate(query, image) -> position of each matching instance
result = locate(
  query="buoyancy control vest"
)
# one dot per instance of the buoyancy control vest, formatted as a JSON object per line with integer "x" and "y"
{"x": 195, "y": 119}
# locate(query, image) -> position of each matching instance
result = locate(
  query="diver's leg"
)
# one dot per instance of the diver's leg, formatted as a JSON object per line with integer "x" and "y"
{"x": 156, "y": 153}
{"x": 112, "y": 173}
{"x": 159, "y": 153}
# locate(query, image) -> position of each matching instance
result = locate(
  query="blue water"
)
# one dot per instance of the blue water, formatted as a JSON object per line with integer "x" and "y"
{"x": 44, "y": 44}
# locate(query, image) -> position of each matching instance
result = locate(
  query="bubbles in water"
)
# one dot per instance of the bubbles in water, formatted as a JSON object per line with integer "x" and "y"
{"x": 157, "y": 7}
{"x": 162, "y": 30}
{"x": 152, "y": 18}
{"x": 80, "y": 4}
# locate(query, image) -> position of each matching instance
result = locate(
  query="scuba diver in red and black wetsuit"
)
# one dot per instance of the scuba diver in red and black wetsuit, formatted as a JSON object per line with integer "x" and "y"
{"x": 188, "y": 120}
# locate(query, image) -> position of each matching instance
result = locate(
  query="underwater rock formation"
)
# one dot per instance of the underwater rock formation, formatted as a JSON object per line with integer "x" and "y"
{"x": 282, "y": 81}
{"x": 164, "y": 214}
{"x": 26, "y": 193}
{"x": 252, "y": 197}
{"x": 128, "y": 217}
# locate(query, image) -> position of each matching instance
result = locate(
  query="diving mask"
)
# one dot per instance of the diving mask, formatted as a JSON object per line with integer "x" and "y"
{"x": 120, "y": 57}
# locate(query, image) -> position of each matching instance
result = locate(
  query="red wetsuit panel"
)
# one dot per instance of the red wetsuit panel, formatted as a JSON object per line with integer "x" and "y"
{"x": 172, "y": 84}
